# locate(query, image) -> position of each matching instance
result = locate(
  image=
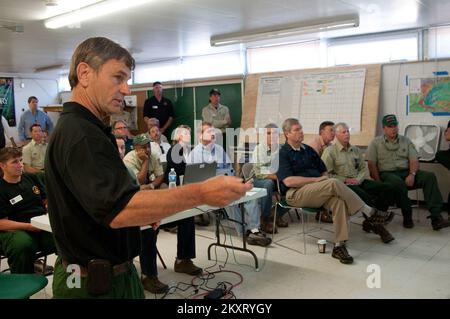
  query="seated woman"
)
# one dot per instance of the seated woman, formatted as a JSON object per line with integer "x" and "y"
{"x": 22, "y": 197}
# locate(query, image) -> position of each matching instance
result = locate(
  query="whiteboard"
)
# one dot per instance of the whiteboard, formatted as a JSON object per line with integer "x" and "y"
{"x": 313, "y": 98}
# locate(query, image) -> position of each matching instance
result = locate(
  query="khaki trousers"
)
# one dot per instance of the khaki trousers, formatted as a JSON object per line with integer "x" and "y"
{"x": 331, "y": 194}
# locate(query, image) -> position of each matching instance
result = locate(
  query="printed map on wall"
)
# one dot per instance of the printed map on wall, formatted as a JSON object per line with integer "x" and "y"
{"x": 312, "y": 98}
{"x": 429, "y": 95}
{"x": 7, "y": 107}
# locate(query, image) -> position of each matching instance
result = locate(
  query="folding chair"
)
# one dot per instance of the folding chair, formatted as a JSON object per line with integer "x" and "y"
{"x": 303, "y": 213}
{"x": 20, "y": 286}
{"x": 39, "y": 255}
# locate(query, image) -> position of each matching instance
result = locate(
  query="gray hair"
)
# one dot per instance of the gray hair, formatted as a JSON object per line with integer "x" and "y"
{"x": 271, "y": 125}
{"x": 288, "y": 123}
{"x": 152, "y": 122}
{"x": 340, "y": 125}
{"x": 96, "y": 52}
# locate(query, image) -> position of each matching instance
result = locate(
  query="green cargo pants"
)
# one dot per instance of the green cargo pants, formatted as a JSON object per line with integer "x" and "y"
{"x": 124, "y": 286}
{"x": 425, "y": 180}
{"x": 21, "y": 247}
{"x": 375, "y": 194}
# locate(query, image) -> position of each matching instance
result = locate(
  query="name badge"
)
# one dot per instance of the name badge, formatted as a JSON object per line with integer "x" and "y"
{"x": 155, "y": 107}
{"x": 16, "y": 199}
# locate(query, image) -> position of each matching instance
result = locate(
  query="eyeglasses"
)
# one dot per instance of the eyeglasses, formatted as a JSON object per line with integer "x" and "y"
{"x": 121, "y": 128}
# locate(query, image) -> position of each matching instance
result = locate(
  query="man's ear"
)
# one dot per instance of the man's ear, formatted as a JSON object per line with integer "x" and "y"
{"x": 83, "y": 73}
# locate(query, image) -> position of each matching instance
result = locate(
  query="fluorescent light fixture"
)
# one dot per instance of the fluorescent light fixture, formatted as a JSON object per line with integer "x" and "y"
{"x": 95, "y": 10}
{"x": 307, "y": 27}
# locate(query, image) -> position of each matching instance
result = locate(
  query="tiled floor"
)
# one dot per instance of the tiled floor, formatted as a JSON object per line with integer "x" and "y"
{"x": 415, "y": 265}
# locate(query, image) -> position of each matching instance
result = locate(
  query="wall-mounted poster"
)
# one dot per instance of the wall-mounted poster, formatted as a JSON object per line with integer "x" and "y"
{"x": 7, "y": 100}
{"x": 430, "y": 95}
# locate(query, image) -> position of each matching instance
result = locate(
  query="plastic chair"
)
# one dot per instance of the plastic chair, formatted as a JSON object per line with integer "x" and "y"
{"x": 21, "y": 286}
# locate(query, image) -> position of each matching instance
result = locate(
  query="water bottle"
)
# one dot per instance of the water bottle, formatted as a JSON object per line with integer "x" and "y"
{"x": 172, "y": 178}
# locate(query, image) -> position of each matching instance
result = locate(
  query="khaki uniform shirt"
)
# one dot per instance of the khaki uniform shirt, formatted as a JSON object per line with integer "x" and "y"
{"x": 219, "y": 118}
{"x": 134, "y": 164}
{"x": 34, "y": 154}
{"x": 344, "y": 163}
{"x": 264, "y": 161}
{"x": 392, "y": 156}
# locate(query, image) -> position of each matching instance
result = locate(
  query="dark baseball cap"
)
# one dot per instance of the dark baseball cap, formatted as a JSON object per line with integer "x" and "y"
{"x": 214, "y": 91}
{"x": 390, "y": 120}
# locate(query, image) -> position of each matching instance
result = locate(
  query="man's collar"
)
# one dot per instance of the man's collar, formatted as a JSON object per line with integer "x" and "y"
{"x": 386, "y": 139}
{"x": 340, "y": 147}
{"x": 77, "y": 108}
{"x": 296, "y": 149}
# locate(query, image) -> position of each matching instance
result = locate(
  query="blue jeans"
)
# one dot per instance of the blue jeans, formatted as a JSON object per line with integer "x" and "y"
{"x": 251, "y": 217}
{"x": 266, "y": 202}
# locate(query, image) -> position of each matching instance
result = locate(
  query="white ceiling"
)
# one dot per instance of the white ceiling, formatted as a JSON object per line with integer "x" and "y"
{"x": 164, "y": 29}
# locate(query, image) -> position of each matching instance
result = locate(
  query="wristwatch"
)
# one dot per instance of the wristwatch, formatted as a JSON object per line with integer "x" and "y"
{"x": 413, "y": 173}
{"x": 152, "y": 186}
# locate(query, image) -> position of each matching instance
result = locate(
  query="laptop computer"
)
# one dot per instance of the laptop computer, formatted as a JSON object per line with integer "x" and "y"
{"x": 195, "y": 173}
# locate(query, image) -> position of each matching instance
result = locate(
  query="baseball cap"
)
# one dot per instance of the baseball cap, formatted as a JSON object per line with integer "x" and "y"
{"x": 141, "y": 139}
{"x": 214, "y": 91}
{"x": 390, "y": 120}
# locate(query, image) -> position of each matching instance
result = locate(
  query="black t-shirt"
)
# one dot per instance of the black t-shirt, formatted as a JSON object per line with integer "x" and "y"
{"x": 176, "y": 161}
{"x": 161, "y": 110}
{"x": 87, "y": 186}
{"x": 23, "y": 200}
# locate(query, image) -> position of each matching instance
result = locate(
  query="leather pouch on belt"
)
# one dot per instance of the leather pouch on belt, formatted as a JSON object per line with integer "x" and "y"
{"x": 99, "y": 279}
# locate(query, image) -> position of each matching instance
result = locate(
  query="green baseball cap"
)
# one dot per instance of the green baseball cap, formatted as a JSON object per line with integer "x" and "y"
{"x": 390, "y": 120}
{"x": 141, "y": 139}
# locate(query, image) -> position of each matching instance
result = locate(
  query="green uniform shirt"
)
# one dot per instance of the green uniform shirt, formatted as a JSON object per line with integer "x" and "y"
{"x": 264, "y": 161}
{"x": 391, "y": 156}
{"x": 34, "y": 154}
{"x": 344, "y": 163}
{"x": 219, "y": 118}
{"x": 23, "y": 200}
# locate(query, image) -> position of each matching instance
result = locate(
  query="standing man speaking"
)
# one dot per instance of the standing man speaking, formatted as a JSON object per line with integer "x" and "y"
{"x": 95, "y": 208}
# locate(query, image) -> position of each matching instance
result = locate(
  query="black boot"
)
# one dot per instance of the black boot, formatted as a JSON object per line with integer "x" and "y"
{"x": 437, "y": 222}
{"x": 407, "y": 220}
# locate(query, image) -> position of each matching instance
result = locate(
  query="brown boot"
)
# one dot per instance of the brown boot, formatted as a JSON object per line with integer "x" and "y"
{"x": 281, "y": 222}
{"x": 267, "y": 225}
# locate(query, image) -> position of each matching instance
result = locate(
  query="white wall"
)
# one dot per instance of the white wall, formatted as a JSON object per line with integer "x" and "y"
{"x": 46, "y": 90}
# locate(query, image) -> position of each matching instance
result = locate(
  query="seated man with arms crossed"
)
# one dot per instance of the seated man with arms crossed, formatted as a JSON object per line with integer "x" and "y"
{"x": 22, "y": 197}
{"x": 304, "y": 180}
{"x": 346, "y": 163}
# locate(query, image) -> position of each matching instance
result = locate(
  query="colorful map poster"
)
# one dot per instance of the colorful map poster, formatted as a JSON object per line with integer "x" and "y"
{"x": 7, "y": 100}
{"x": 429, "y": 95}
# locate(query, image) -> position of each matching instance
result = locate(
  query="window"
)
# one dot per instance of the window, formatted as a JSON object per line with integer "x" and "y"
{"x": 439, "y": 43}
{"x": 157, "y": 71}
{"x": 284, "y": 57}
{"x": 373, "y": 49}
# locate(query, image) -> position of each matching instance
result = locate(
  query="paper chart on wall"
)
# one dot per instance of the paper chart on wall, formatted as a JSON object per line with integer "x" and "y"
{"x": 312, "y": 98}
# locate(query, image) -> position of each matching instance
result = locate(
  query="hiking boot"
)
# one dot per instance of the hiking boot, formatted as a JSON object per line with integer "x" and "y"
{"x": 280, "y": 222}
{"x": 201, "y": 220}
{"x": 258, "y": 239}
{"x": 341, "y": 253}
{"x": 40, "y": 269}
{"x": 438, "y": 222}
{"x": 407, "y": 219}
{"x": 186, "y": 266}
{"x": 267, "y": 225}
{"x": 378, "y": 229}
{"x": 155, "y": 286}
{"x": 380, "y": 217}
{"x": 325, "y": 217}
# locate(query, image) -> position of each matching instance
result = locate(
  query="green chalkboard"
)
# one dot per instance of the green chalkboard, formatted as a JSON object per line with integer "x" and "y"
{"x": 187, "y": 109}
{"x": 231, "y": 96}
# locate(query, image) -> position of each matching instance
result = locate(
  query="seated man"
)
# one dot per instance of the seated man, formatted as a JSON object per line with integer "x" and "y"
{"x": 443, "y": 157}
{"x": 155, "y": 122}
{"x": 120, "y": 130}
{"x": 207, "y": 151}
{"x": 22, "y": 197}
{"x": 393, "y": 159}
{"x": 319, "y": 144}
{"x": 143, "y": 164}
{"x": 265, "y": 164}
{"x": 159, "y": 147}
{"x": 34, "y": 152}
{"x": 346, "y": 163}
{"x": 304, "y": 181}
